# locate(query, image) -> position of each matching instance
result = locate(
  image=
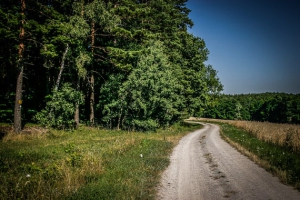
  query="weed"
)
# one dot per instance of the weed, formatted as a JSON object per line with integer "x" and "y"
{"x": 85, "y": 164}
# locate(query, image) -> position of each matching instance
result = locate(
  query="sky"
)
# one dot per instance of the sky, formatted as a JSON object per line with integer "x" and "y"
{"x": 254, "y": 44}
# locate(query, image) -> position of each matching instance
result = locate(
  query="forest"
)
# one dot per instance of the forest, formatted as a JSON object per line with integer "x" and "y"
{"x": 120, "y": 64}
{"x": 270, "y": 107}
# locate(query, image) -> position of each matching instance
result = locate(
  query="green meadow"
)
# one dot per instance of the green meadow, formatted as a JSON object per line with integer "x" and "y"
{"x": 87, "y": 163}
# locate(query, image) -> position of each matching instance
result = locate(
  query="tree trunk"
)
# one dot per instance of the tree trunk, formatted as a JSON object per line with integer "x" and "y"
{"x": 62, "y": 66}
{"x": 119, "y": 119}
{"x": 92, "y": 100}
{"x": 76, "y": 114}
{"x": 92, "y": 80}
{"x": 18, "y": 103}
{"x": 18, "y": 100}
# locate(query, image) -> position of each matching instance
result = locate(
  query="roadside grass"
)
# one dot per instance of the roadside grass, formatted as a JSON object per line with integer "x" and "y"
{"x": 87, "y": 163}
{"x": 281, "y": 160}
{"x": 285, "y": 135}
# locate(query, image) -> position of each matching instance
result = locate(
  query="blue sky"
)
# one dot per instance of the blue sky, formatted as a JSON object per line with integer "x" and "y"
{"x": 254, "y": 44}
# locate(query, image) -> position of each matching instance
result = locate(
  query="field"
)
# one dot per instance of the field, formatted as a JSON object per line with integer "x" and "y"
{"x": 285, "y": 135}
{"x": 276, "y": 147}
{"x": 88, "y": 163}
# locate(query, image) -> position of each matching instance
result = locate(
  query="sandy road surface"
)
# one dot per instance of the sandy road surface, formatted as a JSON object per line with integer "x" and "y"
{"x": 203, "y": 166}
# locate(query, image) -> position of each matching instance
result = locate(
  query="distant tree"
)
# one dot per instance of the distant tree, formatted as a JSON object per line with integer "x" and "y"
{"x": 272, "y": 107}
{"x": 238, "y": 108}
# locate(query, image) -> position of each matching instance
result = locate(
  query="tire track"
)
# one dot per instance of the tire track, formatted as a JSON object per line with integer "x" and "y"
{"x": 203, "y": 166}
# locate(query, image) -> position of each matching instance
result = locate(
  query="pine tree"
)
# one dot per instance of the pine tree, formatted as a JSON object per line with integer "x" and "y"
{"x": 102, "y": 44}
{"x": 19, "y": 87}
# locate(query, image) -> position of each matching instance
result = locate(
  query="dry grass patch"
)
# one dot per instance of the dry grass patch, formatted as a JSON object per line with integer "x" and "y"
{"x": 287, "y": 135}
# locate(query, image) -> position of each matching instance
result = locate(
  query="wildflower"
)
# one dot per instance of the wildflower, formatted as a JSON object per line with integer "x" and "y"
{"x": 141, "y": 155}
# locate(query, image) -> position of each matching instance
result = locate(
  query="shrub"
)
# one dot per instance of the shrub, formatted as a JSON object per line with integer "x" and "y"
{"x": 59, "y": 111}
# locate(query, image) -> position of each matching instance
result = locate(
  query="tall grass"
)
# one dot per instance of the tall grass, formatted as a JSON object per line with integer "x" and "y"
{"x": 285, "y": 135}
{"x": 85, "y": 164}
{"x": 280, "y": 134}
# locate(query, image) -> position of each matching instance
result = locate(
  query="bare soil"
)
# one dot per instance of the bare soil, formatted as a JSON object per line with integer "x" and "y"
{"x": 203, "y": 166}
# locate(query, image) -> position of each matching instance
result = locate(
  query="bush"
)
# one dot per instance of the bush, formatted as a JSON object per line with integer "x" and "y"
{"x": 59, "y": 111}
{"x": 150, "y": 97}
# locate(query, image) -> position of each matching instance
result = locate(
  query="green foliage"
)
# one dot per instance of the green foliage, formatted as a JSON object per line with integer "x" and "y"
{"x": 109, "y": 60}
{"x": 108, "y": 103}
{"x": 200, "y": 81}
{"x": 151, "y": 95}
{"x": 99, "y": 12}
{"x": 77, "y": 27}
{"x": 49, "y": 51}
{"x": 272, "y": 107}
{"x": 59, "y": 111}
{"x": 81, "y": 60}
{"x": 6, "y": 108}
{"x": 238, "y": 111}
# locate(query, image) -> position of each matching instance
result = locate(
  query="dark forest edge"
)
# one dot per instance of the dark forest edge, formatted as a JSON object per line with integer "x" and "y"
{"x": 120, "y": 64}
{"x": 270, "y": 107}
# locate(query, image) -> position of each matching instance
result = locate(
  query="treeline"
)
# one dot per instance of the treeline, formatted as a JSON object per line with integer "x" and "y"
{"x": 125, "y": 64}
{"x": 271, "y": 107}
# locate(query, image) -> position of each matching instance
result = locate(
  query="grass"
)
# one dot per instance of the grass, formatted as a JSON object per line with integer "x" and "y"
{"x": 88, "y": 163}
{"x": 285, "y": 135}
{"x": 260, "y": 142}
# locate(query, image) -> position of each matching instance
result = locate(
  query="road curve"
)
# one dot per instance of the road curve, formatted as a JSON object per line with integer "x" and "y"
{"x": 203, "y": 166}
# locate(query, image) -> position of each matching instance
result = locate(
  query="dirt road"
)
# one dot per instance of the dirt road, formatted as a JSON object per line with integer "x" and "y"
{"x": 203, "y": 166}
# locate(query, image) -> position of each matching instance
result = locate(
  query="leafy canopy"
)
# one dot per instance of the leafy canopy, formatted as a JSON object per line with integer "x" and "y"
{"x": 150, "y": 97}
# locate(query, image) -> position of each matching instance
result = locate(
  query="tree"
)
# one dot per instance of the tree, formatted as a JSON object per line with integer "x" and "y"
{"x": 9, "y": 34}
{"x": 199, "y": 80}
{"x": 101, "y": 21}
{"x": 150, "y": 98}
{"x": 272, "y": 107}
{"x": 238, "y": 108}
{"x": 98, "y": 48}
{"x": 19, "y": 87}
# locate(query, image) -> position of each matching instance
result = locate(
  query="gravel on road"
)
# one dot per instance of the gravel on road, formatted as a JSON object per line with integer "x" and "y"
{"x": 203, "y": 166}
